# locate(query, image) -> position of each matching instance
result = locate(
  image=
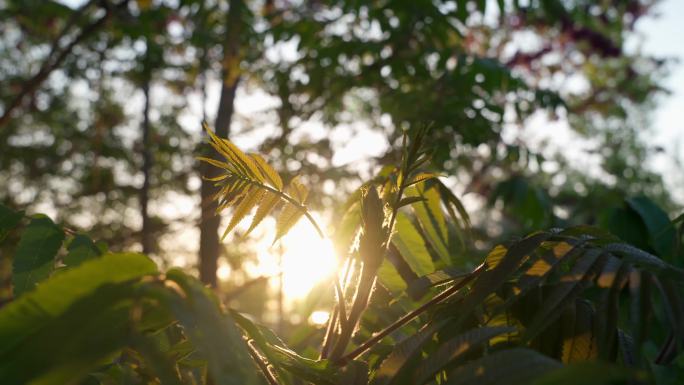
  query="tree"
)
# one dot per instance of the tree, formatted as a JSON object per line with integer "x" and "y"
{"x": 463, "y": 65}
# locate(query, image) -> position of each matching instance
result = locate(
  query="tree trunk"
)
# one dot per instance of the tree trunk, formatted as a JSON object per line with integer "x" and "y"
{"x": 146, "y": 233}
{"x": 209, "y": 221}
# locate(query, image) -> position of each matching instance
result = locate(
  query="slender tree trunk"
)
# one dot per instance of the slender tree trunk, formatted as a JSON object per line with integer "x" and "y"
{"x": 146, "y": 233}
{"x": 209, "y": 221}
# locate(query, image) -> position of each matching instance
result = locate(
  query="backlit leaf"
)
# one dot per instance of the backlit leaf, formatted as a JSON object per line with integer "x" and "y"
{"x": 248, "y": 202}
{"x": 411, "y": 246}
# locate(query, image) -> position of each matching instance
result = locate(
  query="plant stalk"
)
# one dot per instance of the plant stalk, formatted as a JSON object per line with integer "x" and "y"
{"x": 408, "y": 317}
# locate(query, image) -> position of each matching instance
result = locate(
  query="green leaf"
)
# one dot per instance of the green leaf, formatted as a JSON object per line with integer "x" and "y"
{"x": 454, "y": 348}
{"x": 267, "y": 205}
{"x": 251, "y": 199}
{"x": 661, "y": 232}
{"x": 287, "y": 218}
{"x": 422, "y": 177}
{"x": 492, "y": 278}
{"x": 411, "y": 246}
{"x": 271, "y": 174}
{"x": 73, "y": 343}
{"x": 516, "y": 366}
{"x": 390, "y": 278}
{"x": 9, "y": 219}
{"x": 419, "y": 287}
{"x": 591, "y": 373}
{"x": 644, "y": 260}
{"x": 214, "y": 333}
{"x": 408, "y": 201}
{"x": 35, "y": 309}
{"x": 161, "y": 362}
{"x": 354, "y": 373}
{"x": 80, "y": 249}
{"x": 450, "y": 200}
{"x": 393, "y": 369}
{"x": 571, "y": 284}
{"x": 34, "y": 257}
{"x": 347, "y": 228}
{"x": 613, "y": 277}
{"x": 579, "y": 342}
{"x": 431, "y": 219}
{"x": 282, "y": 357}
{"x": 549, "y": 257}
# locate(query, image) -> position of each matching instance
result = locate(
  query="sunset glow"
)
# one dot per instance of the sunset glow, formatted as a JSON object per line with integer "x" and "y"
{"x": 306, "y": 260}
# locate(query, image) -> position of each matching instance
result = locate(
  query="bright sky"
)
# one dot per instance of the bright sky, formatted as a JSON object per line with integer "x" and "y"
{"x": 662, "y": 37}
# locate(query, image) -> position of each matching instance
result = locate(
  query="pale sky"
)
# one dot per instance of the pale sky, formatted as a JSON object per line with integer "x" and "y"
{"x": 663, "y": 37}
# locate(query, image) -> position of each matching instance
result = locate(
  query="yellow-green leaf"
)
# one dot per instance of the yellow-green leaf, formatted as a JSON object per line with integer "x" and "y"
{"x": 251, "y": 199}
{"x": 411, "y": 246}
{"x": 422, "y": 177}
{"x": 271, "y": 175}
{"x": 268, "y": 203}
{"x": 389, "y": 277}
{"x": 431, "y": 219}
{"x": 234, "y": 155}
{"x": 287, "y": 218}
{"x": 297, "y": 190}
{"x": 214, "y": 162}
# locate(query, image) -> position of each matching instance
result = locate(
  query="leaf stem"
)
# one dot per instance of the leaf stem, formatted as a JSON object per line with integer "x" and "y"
{"x": 340, "y": 299}
{"x": 329, "y": 333}
{"x": 408, "y": 317}
{"x": 289, "y": 200}
{"x": 328, "y": 339}
{"x": 270, "y": 378}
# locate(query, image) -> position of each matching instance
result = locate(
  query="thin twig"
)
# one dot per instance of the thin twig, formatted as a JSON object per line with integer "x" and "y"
{"x": 341, "y": 301}
{"x": 408, "y": 317}
{"x": 329, "y": 332}
{"x": 261, "y": 363}
{"x": 332, "y": 321}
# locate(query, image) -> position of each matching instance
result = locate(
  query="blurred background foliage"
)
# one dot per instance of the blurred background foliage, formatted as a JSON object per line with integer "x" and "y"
{"x": 102, "y": 102}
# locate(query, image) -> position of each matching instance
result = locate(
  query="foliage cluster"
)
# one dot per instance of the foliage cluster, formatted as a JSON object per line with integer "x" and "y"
{"x": 561, "y": 306}
{"x": 71, "y": 140}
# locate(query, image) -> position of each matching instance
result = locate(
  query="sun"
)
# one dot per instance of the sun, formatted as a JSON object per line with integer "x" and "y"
{"x": 307, "y": 260}
{"x": 302, "y": 257}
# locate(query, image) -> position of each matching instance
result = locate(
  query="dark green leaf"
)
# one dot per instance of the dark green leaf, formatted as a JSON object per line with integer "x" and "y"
{"x": 590, "y": 373}
{"x": 34, "y": 310}
{"x": 9, "y": 219}
{"x": 34, "y": 257}
{"x": 511, "y": 367}
{"x": 392, "y": 370}
{"x": 215, "y": 335}
{"x": 80, "y": 249}
{"x": 571, "y": 284}
{"x": 661, "y": 232}
{"x": 454, "y": 348}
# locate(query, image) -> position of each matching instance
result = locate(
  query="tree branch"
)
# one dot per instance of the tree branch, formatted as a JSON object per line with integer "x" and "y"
{"x": 49, "y": 65}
